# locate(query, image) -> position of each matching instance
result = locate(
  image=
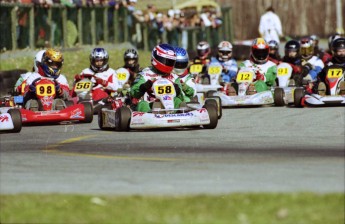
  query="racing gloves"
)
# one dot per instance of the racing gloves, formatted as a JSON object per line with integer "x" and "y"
{"x": 102, "y": 82}
{"x": 143, "y": 88}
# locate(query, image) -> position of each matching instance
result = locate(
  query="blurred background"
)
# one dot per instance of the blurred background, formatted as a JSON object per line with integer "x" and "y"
{"x": 144, "y": 23}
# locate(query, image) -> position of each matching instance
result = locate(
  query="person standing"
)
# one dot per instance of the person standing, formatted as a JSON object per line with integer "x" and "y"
{"x": 270, "y": 27}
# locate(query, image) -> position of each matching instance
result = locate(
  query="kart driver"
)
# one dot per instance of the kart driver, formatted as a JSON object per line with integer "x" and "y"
{"x": 101, "y": 74}
{"x": 184, "y": 78}
{"x": 163, "y": 60}
{"x": 50, "y": 67}
{"x": 338, "y": 60}
{"x": 265, "y": 70}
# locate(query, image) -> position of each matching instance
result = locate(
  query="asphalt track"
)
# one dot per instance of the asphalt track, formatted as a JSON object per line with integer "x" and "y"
{"x": 262, "y": 149}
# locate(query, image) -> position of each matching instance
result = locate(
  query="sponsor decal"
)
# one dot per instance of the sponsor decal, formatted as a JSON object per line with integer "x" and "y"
{"x": 47, "y": 100}
{"x": 173, "y": 121}
{"x": 76, "y": 114}
{"x": 3, "y": 118}
{"x": 202, "y": 110}
{"x": 174, "y": 115}
{"x": 139, "y": 114}
{"x": 167, "y": 98}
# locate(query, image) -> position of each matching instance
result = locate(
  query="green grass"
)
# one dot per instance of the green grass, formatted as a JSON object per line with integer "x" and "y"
{"x": 75, "y": 61}
{"x": 289, "y": 208}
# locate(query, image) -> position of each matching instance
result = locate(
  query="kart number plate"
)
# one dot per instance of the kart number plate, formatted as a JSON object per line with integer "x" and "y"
{"x": 121, "y": 76}
{"x": 244, "y": 77}
{"x": 214, "y": 70}
{"x": 83, "y": 86}
{"x": 164, "y": 89}
{"x": 197, "y": 68}
{"x": 283, "y": 71}
{"x": 334, "y": 73}
{"x": 45, "y": 90}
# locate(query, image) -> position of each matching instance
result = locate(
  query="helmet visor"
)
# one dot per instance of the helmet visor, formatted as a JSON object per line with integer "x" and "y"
{"x": 260, "y": 54}
{"x": 53, "y": 64}
{"x": 202, "y": 52}
{"x": 163, "y": 60}
{"x": 181, "y": 64}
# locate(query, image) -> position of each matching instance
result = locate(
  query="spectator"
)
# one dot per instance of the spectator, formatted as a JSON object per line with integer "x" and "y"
{"x": 270, "y": 27}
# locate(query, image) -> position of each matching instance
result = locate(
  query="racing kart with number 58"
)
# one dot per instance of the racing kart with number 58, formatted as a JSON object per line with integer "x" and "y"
{"x": 163, "y": 114}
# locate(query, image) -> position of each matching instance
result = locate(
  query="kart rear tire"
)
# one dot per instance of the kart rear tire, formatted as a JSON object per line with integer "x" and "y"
{"x": 122, "y": 118}
{"x": 88, "y": 110}
{"x": 279, "y": 97}
{"x": 17, "y": 120}
{"x": 217, "y": 102}
{"x": 297, "y": 97}
{"x": 212, "y": 113}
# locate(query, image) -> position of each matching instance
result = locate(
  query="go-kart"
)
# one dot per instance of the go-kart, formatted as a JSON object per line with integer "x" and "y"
{"x": 10, "y": 116}
{"x": 244, "y": 78}
{"x": 163, "y": 114}
{"x": 87, "y": 91}
{"x": 284, "y": 92}
{"x": 45, "y": 108}
{"x": 334, "y": 77}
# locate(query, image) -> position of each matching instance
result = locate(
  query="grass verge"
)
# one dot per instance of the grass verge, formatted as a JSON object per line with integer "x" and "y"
{"x": 265, "y": 208}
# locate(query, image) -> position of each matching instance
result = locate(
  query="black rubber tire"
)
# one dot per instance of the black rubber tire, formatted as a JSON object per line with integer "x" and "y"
{"x": 217, "y": 101}
{"x": 122, "y": 118}
{"x": 212, "y": 113}
{"x": 88, "y": 110}
{"x": 17, "y": 120}
{"x": 297, "y": 97}
{"x": 279, "y": 97}
{"x": 100, "y": 118}
{"x": 210, "y": 93}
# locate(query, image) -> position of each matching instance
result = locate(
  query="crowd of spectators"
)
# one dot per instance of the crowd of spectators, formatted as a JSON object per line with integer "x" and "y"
{"x": 170, "y": 26}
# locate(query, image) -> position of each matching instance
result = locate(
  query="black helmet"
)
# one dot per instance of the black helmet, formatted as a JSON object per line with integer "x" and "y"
{"x": 131, "y": 54}
{"x": 338, "y": 44}
{"x": 292, "y": 45}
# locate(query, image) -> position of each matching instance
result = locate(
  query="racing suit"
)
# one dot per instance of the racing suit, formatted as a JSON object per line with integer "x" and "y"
{"x": 142, "y": 87}
{"x": 229, "y": 69}
{"x": 312, "y": 66}
{"x": 265, "y": 74}
{"x": 106, "y": 79}
{"x": 19, "y": 87}
{"x": 187, "y": 84}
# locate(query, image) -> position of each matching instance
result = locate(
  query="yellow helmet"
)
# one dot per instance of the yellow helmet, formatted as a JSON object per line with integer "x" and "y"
{"x": 52, "y": 63}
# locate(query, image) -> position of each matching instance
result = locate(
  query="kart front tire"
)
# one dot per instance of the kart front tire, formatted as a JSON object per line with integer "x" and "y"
{"x": 279, "y": 97}
{"x": 88, "y": 111}
{"x": 101, "y": 118}
{"x": 122, "y": 118}
{"x": 297, "y": 97}
{"x": 16, "y": 119}
{"x": 217, "y": 102}
{"x": 212, "y": 113}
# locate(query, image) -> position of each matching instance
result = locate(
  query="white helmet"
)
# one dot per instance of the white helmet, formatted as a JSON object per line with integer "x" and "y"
{"x": 38, "y": 59}
{"x": 224, "y": 51}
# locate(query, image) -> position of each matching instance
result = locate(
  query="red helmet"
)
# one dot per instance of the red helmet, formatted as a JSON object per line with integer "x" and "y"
{"x": 163, "y": 58}
{"x": 260, "y": 51}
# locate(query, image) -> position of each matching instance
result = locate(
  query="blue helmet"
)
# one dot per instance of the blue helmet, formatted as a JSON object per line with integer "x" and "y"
{"x": 182, "y": 60}
{"x": 99, "y": 54}
{"x": 163, "y": 58}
